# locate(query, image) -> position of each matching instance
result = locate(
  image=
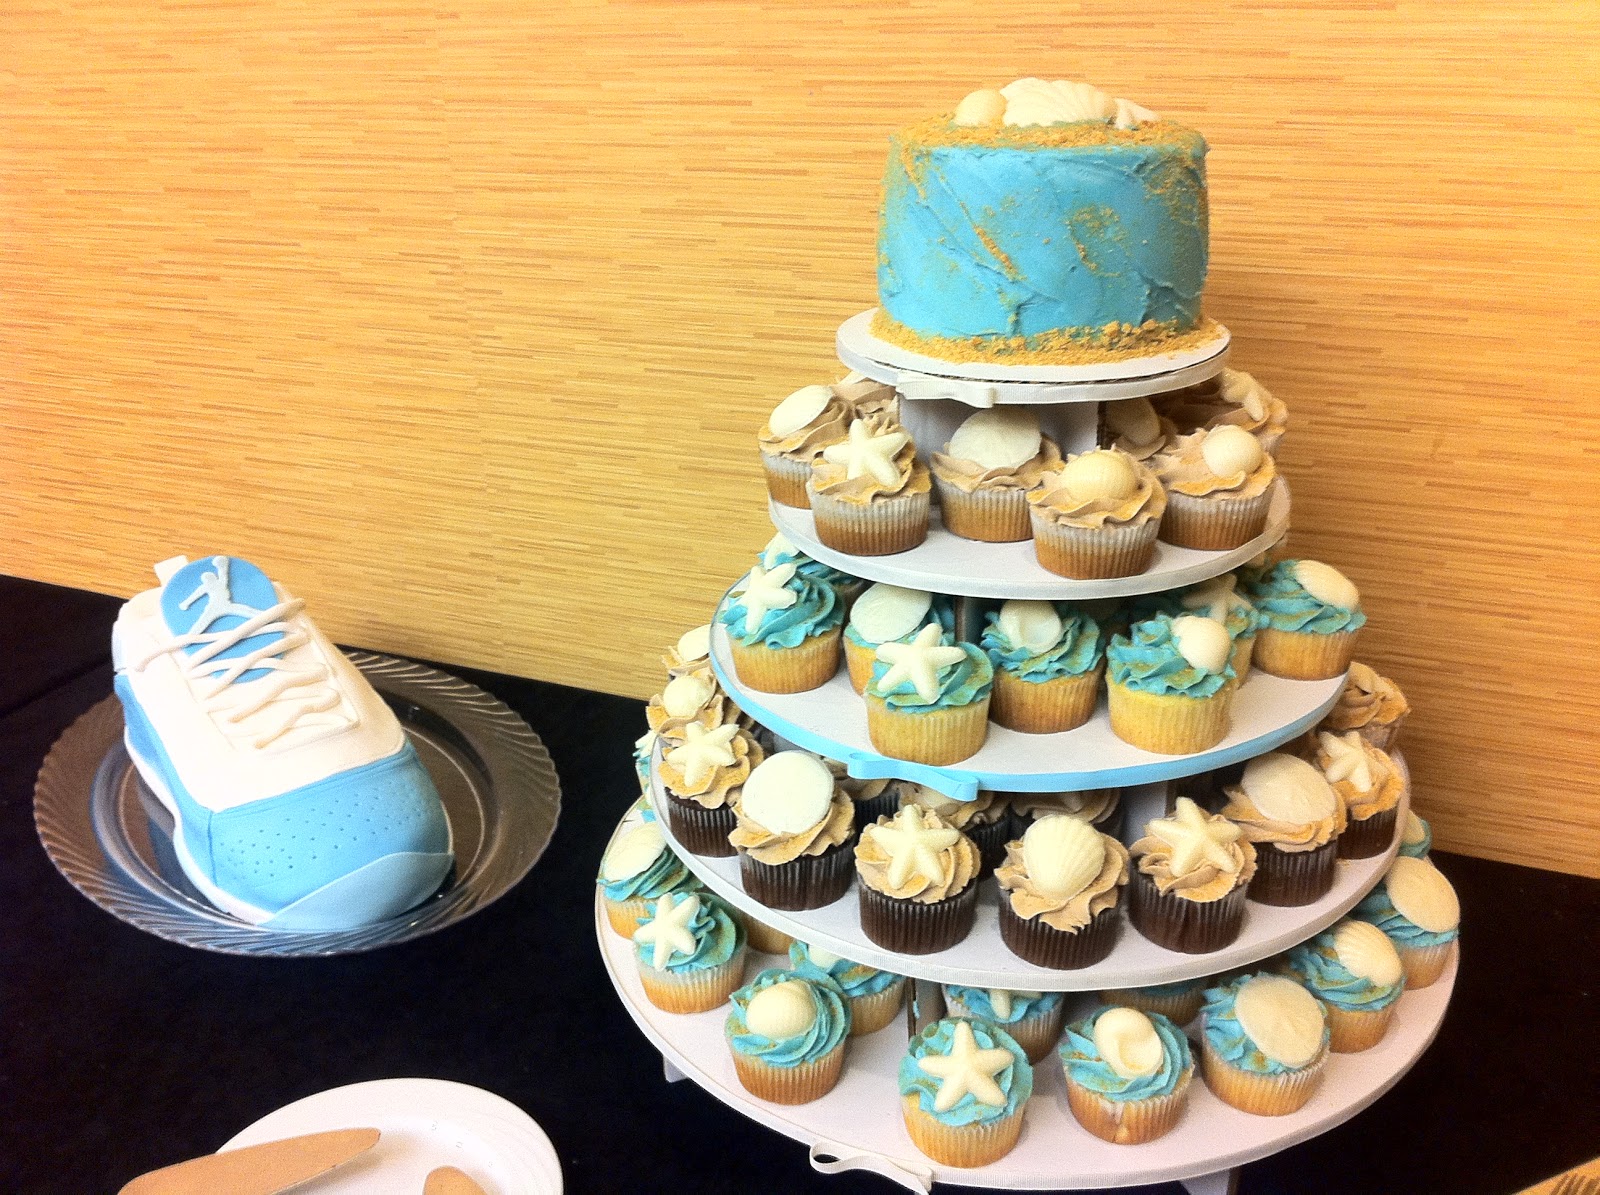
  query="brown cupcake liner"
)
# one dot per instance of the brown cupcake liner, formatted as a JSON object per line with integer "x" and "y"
{"x": 1187, "y": 926}
{"x": 1292, "y": 878}
{"x": 1424, "y": 964}
{"x": 912, "y": 927}
{"x": 764, "y": 938}
{"x": 808, "y": 665}
{"x": 858, "y": 662}
{"x": 1044, "y": 945}
{"x": 990, "y": 838}
{"x": 883, "y": 805}
{"x": 1128, "y": 1122}
{"x": 868, "y": 1014}
{"x": 1093, "y": 553}
{"x": 1303, "y": 655}
{"x": 786, "y": 480}
{"x": 879, "y": 528}
{"x": 994, "y": 516}
{"x": 790, "y": 1084}
{"x": 1365, "y": 839}
{"x": 935, "y": 737}
{"x": 1381, "y": 734}
{"x": 807, "y": 882}
{"x": 1352, "y": 1030}
{"x": 1044, "y": 707}
{"x": 693, "y": 991}
{"x": 1261, "y": 1095}
{"x": 1214, "y": 524}
{"x": 702, "y": 831}
{"x": 962, "y": 1145}
{"x": 1180, "y": 1009}
{"x": 1170, "y": 723}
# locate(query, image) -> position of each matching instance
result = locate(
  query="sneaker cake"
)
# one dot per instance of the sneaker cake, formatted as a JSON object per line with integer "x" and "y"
{"x": 297, "y": 801}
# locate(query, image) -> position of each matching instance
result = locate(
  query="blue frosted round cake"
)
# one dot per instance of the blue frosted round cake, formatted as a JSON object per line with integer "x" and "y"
{"x": 1043, "y": 223}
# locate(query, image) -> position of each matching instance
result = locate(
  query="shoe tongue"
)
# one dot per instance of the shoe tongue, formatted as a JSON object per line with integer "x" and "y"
{"x": 216, "y": 594}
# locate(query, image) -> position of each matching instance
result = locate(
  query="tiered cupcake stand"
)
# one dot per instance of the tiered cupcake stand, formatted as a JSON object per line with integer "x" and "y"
{"x": 858, "y": 1125}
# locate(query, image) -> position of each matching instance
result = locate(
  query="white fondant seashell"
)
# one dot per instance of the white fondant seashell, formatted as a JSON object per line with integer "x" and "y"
{"x": 782, "y": 1010}
{"x": 1229, "y": 451}
{"x": 1099, "y": 474}
{"x": 787, "y": 793}
{"x": 983, "y": 107}
{"x": 1128, "y": 1041}
{"x": 695, "y": 643}
{"x": 632, "y": 851}
{"x": 1423, "y": 896}
{"x": 1202, "y": 641}
{"x": 997, "y": 438}
{"x": 1037, "y": 102}
{"x": 1327, "y": 584}
{"x": 1134, "y": 420}
{"x": 1062, "y": 854}
{"x": 823, "y": 958}
{"x": 886, "y": 612}
{"x": 1031, "y": 625}
{"x": 1365, "y": 950}
{"x": 1283, "y": 1019}
{"x": 799, "y": 409}
{"x": 684, "y": 696}
{"x": 1244, "y": 391}
{"x": 1414, "y": 831}
{"x": 1288, "y": 789}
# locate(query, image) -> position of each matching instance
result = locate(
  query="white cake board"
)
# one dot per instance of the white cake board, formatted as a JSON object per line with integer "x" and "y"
{"x": 859, "y": 1124}
{"x": 947, "y": 563}
{"x": 985, "y": 384}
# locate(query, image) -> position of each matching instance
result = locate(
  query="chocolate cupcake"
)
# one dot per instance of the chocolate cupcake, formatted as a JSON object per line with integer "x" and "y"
{"x": 1285, "y": 807}
{"x": 793, "y": 832}
{"x": 1369, "y": 787}
{"x": 1102, "y": 808}
{"x": 1188, "y": 891}
{"x": 983, "y": 819}
{"x": 919, "y": 882}
{"x": 1371, "y": 705}
{"x": 1059, "y": 886}
{"x": 701, "y": 775}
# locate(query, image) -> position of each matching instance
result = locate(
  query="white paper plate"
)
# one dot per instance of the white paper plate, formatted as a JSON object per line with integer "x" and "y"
{"x": 426, "y": 1123}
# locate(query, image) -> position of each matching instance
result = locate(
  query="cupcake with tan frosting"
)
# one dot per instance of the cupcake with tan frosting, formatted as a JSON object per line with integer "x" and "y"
{"x": 1287, "y": 809}
{"x": 919, "y": 882}
{"x": 1232, "y": 399}
{"x": 1131, "y": 425}
{"x": 986, "y": 470}
{"x": 1128, "y": 1074}
{"x": 1356, "y": 972}
{"x": 795, "y": 434}
{"x": 1219, "y": 488}
{"x": 690, "y": 655}
{"x": 1371, "y": 705}
{"x": 1312, "y": 616}
{"x": 874, "y": 798}
{"x": 701, "y": 776}
{"x": 1191, "y": 873}
{"x": 1101, "y": 808}
{"x": 693, "y": 697}
{"x": 793, "y": 832}
{"x": 1419, "y": 911}
{"x": 869, "y": 492}
{"x": 1097, "y": 516}
{"x": 1369, "y": 787}
{"x": 1060, "y": 883}
{"x": 1265, "y": 1044}
{"x": 984, "y": 819}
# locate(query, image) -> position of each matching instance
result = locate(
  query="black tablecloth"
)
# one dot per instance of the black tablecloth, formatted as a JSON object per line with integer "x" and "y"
{"x": 122, "y": 1052}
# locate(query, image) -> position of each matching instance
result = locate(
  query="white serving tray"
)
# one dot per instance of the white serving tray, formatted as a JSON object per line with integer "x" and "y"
{"x": 858, "y": 1124}
{"x": 832, "y": 721}
{"x": 985, "y": 384}
{"x": 982, "y": 960}
{"x": 947, "y": 563}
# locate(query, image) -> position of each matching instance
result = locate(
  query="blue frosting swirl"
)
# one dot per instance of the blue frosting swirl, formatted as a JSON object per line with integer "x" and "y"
{"x": 718, "y": 936}
{"x": 854, "y": 979}
{"x": 1147, "y": 660}
{"x": 666, "y": 874}
{"x": 1082, "y": 1061}
{"x": 1014, "y": 1080}
{"x": 831, "y": 1026}
{"x": 1243, "y": 620}
{"x": 1227, "y": 1037}
{"x": 962, "y": 683}
{"x": 1419, "y": 850}
{"x": 807, "y": 566}
{"x": 1316, "y": 964}
{"x": 1076, "y": 652}
{"x": 816, "y": 609}
{"x": 1023, "y": 1004}
{"x": 1403, "y": 932}
{"x": 1286, "y": 605}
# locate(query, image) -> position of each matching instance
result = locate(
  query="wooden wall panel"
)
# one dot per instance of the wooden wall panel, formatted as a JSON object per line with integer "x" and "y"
{"x": 461, "y": 320}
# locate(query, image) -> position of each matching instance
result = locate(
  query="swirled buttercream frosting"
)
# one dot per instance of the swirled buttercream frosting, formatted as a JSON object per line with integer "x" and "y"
{"x": 1195, "y": 855}
{"x": 1003, "y": 1006}
{"x": 1061, "y": 499}
{"x": 1089, "y": 1067}
{"x": 1069, "y": 911}
{"x": 1265, "y": 1024}
{"x": 916, "y": 855}
{"x": 787, "y": 1028}
{"x": 775, "y": 847}
{"x": 1288, "y": 606}
{"x": 1318, "y": 965}
{"x": 1366, "y": 699}
{"x": 713, "y": 934}
{"x": 960, "y": 683}
{"x": 1149, "y": 659}
{"x": 854, "y": 979}
{"x": 815, "y": 610}
{"x": 1075, "y": 649}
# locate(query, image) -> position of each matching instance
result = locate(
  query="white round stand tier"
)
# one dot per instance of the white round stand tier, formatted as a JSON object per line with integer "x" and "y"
{"x": 948, "y": 563}
{"x": 983, "y": 960}
{"x": 832, "y": 721}
{"x": 985, "y": 383}
{"x": 858, "y": 1124}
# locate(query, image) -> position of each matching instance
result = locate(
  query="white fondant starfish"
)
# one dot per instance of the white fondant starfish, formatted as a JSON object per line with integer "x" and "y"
{"x": 766, "y": 589}
{"x": 966, "y": 1068}
{"x": 913, "y": 848}
{"x": 1347, "y": 760}
{"x": 1195, "y": 839}
{"x": 864, "y": 452}
{"x": 703, "y": 751}
{"x": 1215, "y": 598}
{"x": 669, "y": 930}
{"x": 918, "y": 661}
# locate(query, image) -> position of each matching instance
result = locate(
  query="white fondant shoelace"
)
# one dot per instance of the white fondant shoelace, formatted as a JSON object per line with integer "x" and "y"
{"x": 230, "y": 706}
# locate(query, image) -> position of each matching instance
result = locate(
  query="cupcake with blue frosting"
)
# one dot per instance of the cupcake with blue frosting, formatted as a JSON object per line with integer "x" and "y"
{"x": 1418, "y": 909}
{"x": 1128, "y": 1074}
{"x": 888, "y": 614}
{"x": 874, "y": 996}
{"x": 1313, "y": 615}
{"x": 783, "y": 630}
{"x": 1033, "y": 1019}
{"x": 638, "y": 868}
{"x": 1169, "y": 684}
{"x": 928, "y": 700}
{"x": 1218, "y": 599}
{"x": 1179, "y": 1002}
{"x": 1264, "y": 1044}
{"x": 1048, "y": 659}
{"x": 1356, "y": 972}
{"x": 787, "y": 1036}
{"x": 1416, "y": 837}
{"x": 690, "y": 949}
{"x": 964, "y": 1086}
